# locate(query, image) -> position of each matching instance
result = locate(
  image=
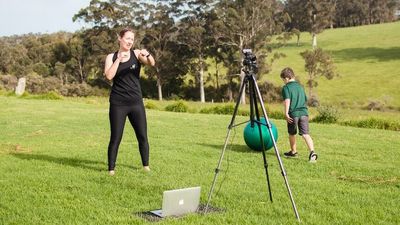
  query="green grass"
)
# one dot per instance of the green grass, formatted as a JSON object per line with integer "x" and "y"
{"x": 53, "y": 169}
{"x": 367, "y": 59}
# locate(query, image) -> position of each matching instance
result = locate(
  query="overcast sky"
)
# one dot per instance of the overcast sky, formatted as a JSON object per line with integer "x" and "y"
{"x": 39, "y": 16}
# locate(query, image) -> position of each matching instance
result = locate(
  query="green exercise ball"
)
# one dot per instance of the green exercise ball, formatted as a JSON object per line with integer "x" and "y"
{"x": 252, "y": 135}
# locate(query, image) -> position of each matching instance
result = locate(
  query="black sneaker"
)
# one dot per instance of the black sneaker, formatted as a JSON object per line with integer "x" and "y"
{"x": 312, "y": 157}
{"x": 290, "y": 154}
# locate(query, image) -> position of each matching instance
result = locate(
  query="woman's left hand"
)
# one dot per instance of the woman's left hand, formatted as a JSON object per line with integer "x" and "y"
{"x": 144, "y": 52}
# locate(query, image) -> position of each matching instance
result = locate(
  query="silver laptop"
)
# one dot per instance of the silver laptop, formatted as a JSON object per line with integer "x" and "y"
{"x": 179, "y": 202}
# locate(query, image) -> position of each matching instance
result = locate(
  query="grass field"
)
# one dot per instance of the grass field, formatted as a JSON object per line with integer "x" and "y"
{"x": 367, "y": 59}
{"x": 53, "y": 170}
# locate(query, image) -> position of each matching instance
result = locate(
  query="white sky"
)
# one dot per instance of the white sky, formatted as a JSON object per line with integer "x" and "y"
{"x": 39, "y": 16}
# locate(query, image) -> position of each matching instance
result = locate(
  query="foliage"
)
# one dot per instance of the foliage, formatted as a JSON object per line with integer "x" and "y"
{"x": 374, "y": 123}
{"x": 52, "y": 95}
{"x": 355, "y": 12}
{"x": 318, "y": 63}
{"x": 179, "y": 106}
{"x": 220, "y": 109}
{"x": 8, "y": 82}
{"x": 326, "y": 114}
{"x": 148, "y": 104}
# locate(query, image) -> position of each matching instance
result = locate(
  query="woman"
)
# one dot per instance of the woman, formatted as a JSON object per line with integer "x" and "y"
{"x": 123, "y": 68}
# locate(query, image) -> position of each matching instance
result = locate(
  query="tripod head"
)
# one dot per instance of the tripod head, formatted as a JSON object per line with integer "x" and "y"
{"x": 249, "y": 62}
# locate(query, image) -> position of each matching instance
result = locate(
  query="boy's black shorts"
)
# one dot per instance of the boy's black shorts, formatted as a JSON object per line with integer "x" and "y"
{"x": 301, "y": 123}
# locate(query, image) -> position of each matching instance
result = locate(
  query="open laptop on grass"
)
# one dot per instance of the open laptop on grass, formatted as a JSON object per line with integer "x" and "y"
{"x": 179, "y": 202}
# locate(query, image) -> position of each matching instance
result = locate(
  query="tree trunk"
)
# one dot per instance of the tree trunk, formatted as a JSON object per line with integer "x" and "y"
{"x": 159, "y": 87}
{"x": 201, "y": 80}
{"x": 243, "y": 97}
{"x": 314, "y": 40}
{"x": 217, "y": 76}
{"x": 310, "y": 85}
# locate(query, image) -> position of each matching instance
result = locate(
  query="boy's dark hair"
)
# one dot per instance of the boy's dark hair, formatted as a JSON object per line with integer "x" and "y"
{"x": 287, "y": 73}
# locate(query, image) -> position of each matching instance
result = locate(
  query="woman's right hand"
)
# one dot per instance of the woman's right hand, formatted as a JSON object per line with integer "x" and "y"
{"x": 123, "y": 56}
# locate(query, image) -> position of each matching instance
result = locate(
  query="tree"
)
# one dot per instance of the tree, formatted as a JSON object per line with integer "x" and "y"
{"x": 311, "y": 15}
{"x": 317, "y": 63}
{"x": 193, "y": 33}
{"x": 161, "y": 34}
{"x": 248, "y": 24}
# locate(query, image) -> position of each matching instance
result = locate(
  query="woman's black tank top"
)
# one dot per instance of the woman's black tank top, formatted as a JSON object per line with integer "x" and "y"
{"x": 126, "y": 88}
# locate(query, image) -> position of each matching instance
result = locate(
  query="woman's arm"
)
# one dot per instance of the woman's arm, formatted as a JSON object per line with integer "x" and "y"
{"x": 145, "y": 57}
{"x": 110, "y": 67}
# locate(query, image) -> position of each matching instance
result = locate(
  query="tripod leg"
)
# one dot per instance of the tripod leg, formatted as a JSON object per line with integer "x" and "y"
{"x": 276, "y": 150}
{"x": 217, "y": 171}
{"x": 253, "y": 101}
{"x": 225, "y": 144}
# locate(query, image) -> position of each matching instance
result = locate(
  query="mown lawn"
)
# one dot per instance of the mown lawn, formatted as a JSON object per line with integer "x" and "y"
{"x": 53, "y": 170}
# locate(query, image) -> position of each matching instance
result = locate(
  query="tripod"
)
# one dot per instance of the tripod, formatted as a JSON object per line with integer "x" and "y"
{"x": 254, "y": 92}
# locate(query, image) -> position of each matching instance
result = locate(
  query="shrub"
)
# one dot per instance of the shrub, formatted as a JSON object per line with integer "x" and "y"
{"x": 276, "y": 115}
{"x": 225, "y": 110}
{"x": 150, "y": 105}
{"x": 375, "y": 105}
{"x": 374, "y": 124}
{"x": 326, "y": 114}
{"x": 313, "y": 101}
{"x": 8, "y": 82}
{"x": 179, "y": 106}
{"x": 52, "y": 95}
{"x": 270, "y": 93}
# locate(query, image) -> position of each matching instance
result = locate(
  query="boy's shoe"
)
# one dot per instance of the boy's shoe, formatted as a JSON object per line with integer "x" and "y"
{"x": 111, "y": 172}
{"x": 290, "y": 154}
{"x": 313, "y": 157}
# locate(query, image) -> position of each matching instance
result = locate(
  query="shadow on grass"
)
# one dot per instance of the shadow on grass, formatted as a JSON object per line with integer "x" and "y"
{"x": 233, "y": 147}
{"x": 236, "y": 148}
{"x": 74, "y": 162}
{"x": 378, "y": 54}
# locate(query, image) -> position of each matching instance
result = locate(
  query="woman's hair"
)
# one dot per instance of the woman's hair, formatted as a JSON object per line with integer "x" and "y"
{"x": 124, "y": 30}
{"x": 287, "y": 73}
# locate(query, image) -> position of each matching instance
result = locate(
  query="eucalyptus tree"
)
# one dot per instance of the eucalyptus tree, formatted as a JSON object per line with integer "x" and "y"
{"x": 14, "y": 58}
{"x": 317, "y": 64}
{"x": 249, "y": 24}
{"x": 195, "y": 34}
{"x": 160, "y": 37}
{"x": 311, "y": 15}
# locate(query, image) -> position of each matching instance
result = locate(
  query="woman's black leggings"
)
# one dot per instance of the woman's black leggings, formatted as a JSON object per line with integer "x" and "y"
{"x": 137, "y": 117}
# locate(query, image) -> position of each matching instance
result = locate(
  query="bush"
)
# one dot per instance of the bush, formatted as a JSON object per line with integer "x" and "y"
{"x": 326, "y": 114}
{"x": 374, "y": 124}
{"x": 52, "y": 95}
{"x": 8, "y": 82}
{"x": 179, "y": 106}
{"x": 375, "y": 105}
{"x": 276, "y": 115}
{"x": 270, "y": 93}
{"x": 225, "y": 110}
{"x": 150, "y": 105}
{"x": 313, "y": 101}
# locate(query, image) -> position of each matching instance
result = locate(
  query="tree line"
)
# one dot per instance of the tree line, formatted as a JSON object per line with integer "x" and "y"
{"x": 197, "y": 44}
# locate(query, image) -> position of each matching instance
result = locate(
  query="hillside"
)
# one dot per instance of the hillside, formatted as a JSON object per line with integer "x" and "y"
{"x": 367, "y": 59}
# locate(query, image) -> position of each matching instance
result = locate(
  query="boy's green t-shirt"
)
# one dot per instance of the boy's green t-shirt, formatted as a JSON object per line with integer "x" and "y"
{"x": 298, "y": 99}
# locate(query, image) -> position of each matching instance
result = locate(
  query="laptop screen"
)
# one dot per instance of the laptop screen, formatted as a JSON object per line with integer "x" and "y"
{"x": 180, "y": 201}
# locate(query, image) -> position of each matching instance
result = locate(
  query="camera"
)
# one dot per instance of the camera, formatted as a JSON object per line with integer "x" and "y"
{"x": 249, "y": 61}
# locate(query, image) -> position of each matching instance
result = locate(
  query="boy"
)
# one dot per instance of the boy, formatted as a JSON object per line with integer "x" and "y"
{"x": 296, "y": 113}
